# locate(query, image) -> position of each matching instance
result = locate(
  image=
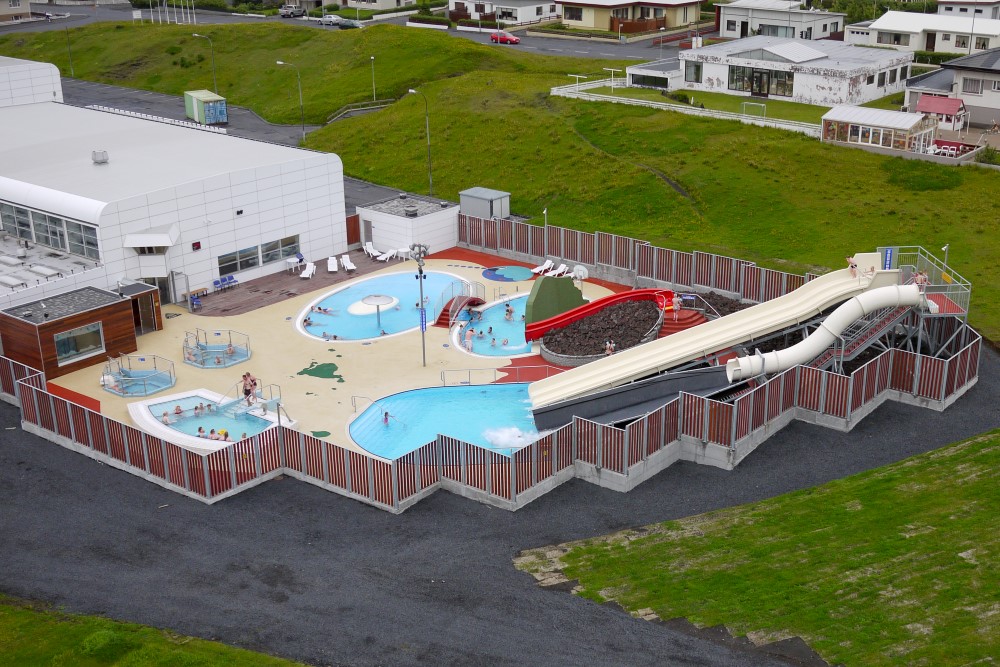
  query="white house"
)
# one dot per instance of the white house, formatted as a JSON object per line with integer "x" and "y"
{"x": 776, "y": 18}
{"x": 986, "y": 9}
{"x": 908, "y": 31}
{"x": 820, "y": 72}
{"x": 643, "y": 15}
{"x": 401, "y": 5}
{"x": 508, "y": 11}
{"x": 397, "y": 222}
{"x": 975, "y": 80}
{"x": 109, "y": 197}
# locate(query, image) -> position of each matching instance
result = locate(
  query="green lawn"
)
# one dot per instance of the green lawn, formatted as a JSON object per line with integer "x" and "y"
{"x": 37, "y": 636}
{"x": 775, "y": 197}
{"x": 890, "y": 567}
{"x": 804, "y": 113}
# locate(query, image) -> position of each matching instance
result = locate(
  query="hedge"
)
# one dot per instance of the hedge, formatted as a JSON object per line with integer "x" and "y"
{"x": 473, "y": 23}
{"x": 935, "y": 57}
{"x": 429, "y": 20}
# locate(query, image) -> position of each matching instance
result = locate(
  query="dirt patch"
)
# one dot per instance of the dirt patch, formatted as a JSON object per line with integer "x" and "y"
{"x": 624, "y": 323}
{"x": 126, "y": 70}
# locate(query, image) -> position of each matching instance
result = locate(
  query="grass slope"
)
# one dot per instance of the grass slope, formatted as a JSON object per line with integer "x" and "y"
{"x": 30, "y": 636}
{"x": 893, "y": 566}
{"x": 778, "y": 198}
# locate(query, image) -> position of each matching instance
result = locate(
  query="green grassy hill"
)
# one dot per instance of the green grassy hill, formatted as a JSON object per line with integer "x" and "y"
{"x": 781, "y": 199}
{"x": 895, "y": 566}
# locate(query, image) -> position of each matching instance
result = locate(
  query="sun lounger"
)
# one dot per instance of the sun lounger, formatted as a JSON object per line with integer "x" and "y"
{"x": 370, "y": 250}
{"x": 543, "y": 268}
{"x": 348, "y": 265}
{"x": 331, "y": 264}
{"x": 387, "y": 255}
{"x": 555, "y": 273}
{"x": 308, "y": 271}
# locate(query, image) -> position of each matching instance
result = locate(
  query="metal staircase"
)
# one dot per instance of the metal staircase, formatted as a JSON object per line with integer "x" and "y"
{"x": 861, "y": 335}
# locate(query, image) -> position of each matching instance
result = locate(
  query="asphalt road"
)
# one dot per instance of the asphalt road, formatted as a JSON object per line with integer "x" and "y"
{"x": 292, "y": 570}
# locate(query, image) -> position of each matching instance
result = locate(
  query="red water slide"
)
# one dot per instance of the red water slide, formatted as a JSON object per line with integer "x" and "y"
{"x": 536, "y": 330}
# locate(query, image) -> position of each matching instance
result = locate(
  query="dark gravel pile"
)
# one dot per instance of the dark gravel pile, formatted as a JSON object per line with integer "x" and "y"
{"x": 724, "y": 304}
{"x": 624, "y": 323}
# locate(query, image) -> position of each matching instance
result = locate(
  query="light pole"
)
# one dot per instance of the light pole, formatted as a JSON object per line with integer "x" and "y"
{"x": 418, "y": 251}
{"x": 427, "y": 129}
{"x": 215, "y": 83}
{"x": 545, "y": 234}
{"x": 662, "y": 30}
{"x": 373, "y": 78}
{"x": 945, "y": 248}
{"x": 302, "y": 112}
{"x": 69, "y": 50}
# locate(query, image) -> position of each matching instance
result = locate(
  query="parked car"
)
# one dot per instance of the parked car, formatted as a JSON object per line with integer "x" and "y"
{"x": 331, "y": 19}
{"x": 504, "y": 37}
{"x": 291, "y": 11}
{"x": 348, "y": 24}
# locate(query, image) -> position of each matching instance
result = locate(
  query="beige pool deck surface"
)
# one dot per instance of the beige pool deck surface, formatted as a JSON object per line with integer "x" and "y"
{"x": 318, "y": 379}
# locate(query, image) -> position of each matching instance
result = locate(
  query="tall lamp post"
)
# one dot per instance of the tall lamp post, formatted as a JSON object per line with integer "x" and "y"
{"x": 215, "y": 83}
{"x": 373, "y": 78}
{"x": 545, "y": 233}
{"x": 418, "y": 251}
{"x": 427, "y": 129}
{"x": 69, "y": 50}
{"x": 302, "y": 113}
{"x": 662, "y": 30}
{"x": 945, "y": 248}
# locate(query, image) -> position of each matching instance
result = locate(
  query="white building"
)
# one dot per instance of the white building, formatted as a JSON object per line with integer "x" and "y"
{"x": 822, "y": 72}
{"x": 398, "y": 222}
{"x": 908, "y": 31}
{"x": 975, "y": 80}
{"x": 776, "y": 18}
{"x": 172, "y": 206}
{"x": 986, "y": 9}
{"x": 27, "y": 81}
{"x": 508, "y": 11}
{"x": 644, "y": 15}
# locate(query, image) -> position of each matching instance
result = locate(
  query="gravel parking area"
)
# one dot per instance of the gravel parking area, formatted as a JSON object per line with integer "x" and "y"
{"x": 292, "y": 570}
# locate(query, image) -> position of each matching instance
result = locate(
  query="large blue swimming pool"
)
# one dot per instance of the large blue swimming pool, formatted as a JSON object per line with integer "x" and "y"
{"x": 496, "y": 416}
{"x": 350, "y": 319}
{"x": 494, "y": 328}
{"x": 223, "y": 419}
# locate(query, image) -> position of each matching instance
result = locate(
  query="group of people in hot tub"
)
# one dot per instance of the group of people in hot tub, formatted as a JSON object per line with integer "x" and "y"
{"x": 200, "y": 410}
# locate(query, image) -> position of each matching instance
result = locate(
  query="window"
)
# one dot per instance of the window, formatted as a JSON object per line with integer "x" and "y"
{"x": 871, "y": 79}
{"x": 658, "y": 12}
{"x": 946, "y": 37}
{"x": 15, "y": 3}
{"x": 151, "y": 250}
{"x": 972, "y": 86}
{"x": 82, "y": 240}
{"x": 685, "y": 19}
{"x": 538, "y": 10}
{"x": 902, "y": 73}
{"x": 776, "y": 30}
{"x": 979, "y": 11}
{"x": 982, "y": 42}
{"x": 824, "y": 27}
{"x": 278, "y": 250}
{"x": 963, "y": 10}
{"x": 572, "y": 13}
{"x": 644, "y": 12}
{"x": 48, "y": 230}
{"x": 241, "y": 260}
{"x": 881, "y": 79}
{"x": 893, "y": 38}
{"x": 961, "y": 41}
{"x": 948, "y": 9}
{"x": 739, "y": 78}
{"x": 76, "y": 344}
{"x": 892, "y": 76}
{"x": 996, "y": 86}
{"x": 620, "y": 12}
{"x": 692, "y": 71}
{"x": 552, "y": 9}
{"x": 731, "y": 25}
{"x": 835, "y": 26}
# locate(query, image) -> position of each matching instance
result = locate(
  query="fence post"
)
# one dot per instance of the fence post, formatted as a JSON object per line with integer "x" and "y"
{"x": 626, "y": 441}
{"x": 600, "y": 446}
{"x": 257, "y": 467}
{"x": 848, "y": 410}
{"x": 145, "y": 446}
{"x": 706, "y": 419}
{"x": 394, "y": 477}
{"x": 513, "y": 480}
{"x": 232, "y": 465}
{"x": 371, "y": 477}
{"x": 324, "y": 459}
{"x": 184, "y": 465}
{"x": 822, "y": 393}
{"x": 534, "y": 463}
{"x": 463, "y": 462}
{"x": 439, "y": 455}
{"x": 798, "y": 386}
{"x": 488, "y": 472}
{"x": 418, "y": 461}
{"x": 348, "y": 479}
{"x": 302, "y": 453}
{"x": 573, "y": 443}
{"x": 208, "y": 478}
{"x": 735, "y": 412}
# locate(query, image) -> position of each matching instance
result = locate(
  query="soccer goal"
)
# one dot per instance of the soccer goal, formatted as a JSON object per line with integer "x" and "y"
{"x": 754, "y": 109}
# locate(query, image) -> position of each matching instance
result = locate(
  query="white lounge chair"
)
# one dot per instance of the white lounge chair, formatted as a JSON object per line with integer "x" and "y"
{"x": 308, "y": 271}
{"x": 387, "y": 255}
{"x": 370, "y": 250}
{"x": 348, "y": 265}
{"x": 543, "y": 268}
{"x": 331, "y": 264}
{"x": 555, "y": 273}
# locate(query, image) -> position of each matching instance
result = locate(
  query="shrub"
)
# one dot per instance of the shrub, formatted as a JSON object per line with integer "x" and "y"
{"x": 473, "y": 23}
{"x": 173, "y": 50}
{"x": 988, "y": 155}
{"x": 679, "y": 96}
{"x": 430, "y": 20}
{"x": 424, "y": 9}
{"x": 106, "y": 645}
{"x": 934, "y": 57}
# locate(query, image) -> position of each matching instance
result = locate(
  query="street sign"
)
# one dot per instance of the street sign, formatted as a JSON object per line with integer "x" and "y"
{"x": 423, "y": 319}
{"x": 888, "y": 259}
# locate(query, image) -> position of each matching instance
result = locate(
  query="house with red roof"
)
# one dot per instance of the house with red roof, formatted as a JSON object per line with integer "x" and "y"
{"x": 630, "y": 16}
{"x": 974, "y": 80}
{"x": 949, "y": 111}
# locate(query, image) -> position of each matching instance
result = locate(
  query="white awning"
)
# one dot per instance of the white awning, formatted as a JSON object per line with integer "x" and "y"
{"x": 156, "y": 237}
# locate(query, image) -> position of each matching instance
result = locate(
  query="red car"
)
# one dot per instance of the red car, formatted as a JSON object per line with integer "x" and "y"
{"x": 504, "y": 37}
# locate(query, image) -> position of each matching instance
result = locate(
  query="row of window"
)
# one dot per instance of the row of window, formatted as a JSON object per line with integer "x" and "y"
{"x": 962, "y": 41}
{"x": 890, "y": 76}
{"x": 977, "y": 86}
{"x": 50, "y": 230}
{"x": 247, "y": 258}
{"x": 782, "y": 30}
{"x": 761, "y": 81}
{"x": 893, "y": 38}
{"x": 576, "y": 13}
{"x": 75, "y": 344}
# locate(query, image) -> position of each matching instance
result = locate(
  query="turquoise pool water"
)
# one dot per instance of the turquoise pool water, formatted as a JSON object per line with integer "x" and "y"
{"x": 400, "y": 316}
{"x": 508, "y": 274}
{"x": 140, "y": 382}
{"x": 496, "y": 416}
{"x": 491, "y": 342}
{"x": 187, "y": 423}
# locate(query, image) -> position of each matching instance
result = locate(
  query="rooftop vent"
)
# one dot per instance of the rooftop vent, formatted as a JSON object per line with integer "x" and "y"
{"x": 445, "y": 204}
{"x": 410, "y": 211}
{"x": 402, "y": 195}
{"x": 99, "y": 157}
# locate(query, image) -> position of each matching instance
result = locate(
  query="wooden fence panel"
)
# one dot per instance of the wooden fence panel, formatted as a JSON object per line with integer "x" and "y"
{"x": 524, "y": 459}
{"x": 116, "y": 440}
{"x": 613, "y": 445}
{"x": 931, "y": 377}
{"x": 586, "y": 440}
{"x": 683, "y": 267}
{"x": 505, "y": 235}
{"x": 451, "y": 458}
{"x": 45, "y": 417}
{"x": 637, "y": 440}
{"x": 219, "y": 474}
{"x": 97, "y": 433}
{"x": 499, "y": 467}
{"x": 564, "y": 438}
{"x": 270, "y": 451}
{"x": 693, "y": 419}
{"x": 837, "y": 389}
{"x": 720, "y": 423}
{"x": 246, "y": 464}
{"x": 336, "y": 463}
{"x": 157, "y": 464}
{"x": 359, "y": 473}
{"x": 588, "y": 253}
{"x": 196, "y": 473}
{"x": 751, "y": 283}
{"x": 810, "y": 383}
{"x": 671, "y": 421}
{"x": 903, "y": 366}
{"x": 133, "y": 441}
{"x": 293, "y": 455}
{"x": 81, "y": 433}
{"x": 406, "y": 475}
{"x": 477, "y": 463}
{"x": 428, "y": 465}
{"x": 543, "y": 460}
{"x": 382, "y": 481}
{"x": 62, "y": 417}
{"x": 645, "y": 261}
{"x": 174, "y": 464}
{"x": 314, "y": 456}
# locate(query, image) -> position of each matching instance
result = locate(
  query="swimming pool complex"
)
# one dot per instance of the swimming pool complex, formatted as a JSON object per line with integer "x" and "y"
{"x": 351, "y": 319}
{"x": 495, "y": 416}
{"x": 490, "y": 344}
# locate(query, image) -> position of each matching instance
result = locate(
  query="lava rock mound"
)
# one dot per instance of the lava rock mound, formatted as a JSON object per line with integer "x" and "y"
{"x": 625, "y": 323}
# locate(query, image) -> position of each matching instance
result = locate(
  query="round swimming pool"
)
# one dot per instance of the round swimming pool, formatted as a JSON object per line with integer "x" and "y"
{"x": 495, "y": 416}
{"x": 508, "y": 274}
{"x": 494, "y": 328}
{"x": 343, "y": 315}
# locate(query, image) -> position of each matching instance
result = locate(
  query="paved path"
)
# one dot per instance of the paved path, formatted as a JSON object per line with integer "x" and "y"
{"x": 292, "y": 570}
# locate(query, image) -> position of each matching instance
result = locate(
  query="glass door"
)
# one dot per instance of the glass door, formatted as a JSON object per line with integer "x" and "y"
{"x": 760, "y": 82}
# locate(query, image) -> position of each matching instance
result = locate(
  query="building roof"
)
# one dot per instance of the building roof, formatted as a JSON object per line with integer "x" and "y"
{"x": 45, "y": 157}
{"x": 629, "y": 3}
{"x": 940, "y": 79}
{"x": 987, "y": 61}
{"x": 484, "y": 193}
{"x": 63, "y": 305}
{"x": 969, "y": 2}
{"x": 912, "y": 22}
{"x": 826, "y": 54}
{"x": 949, "y": 106}
{"x": 896, "y": 120}
{"x": 400, "y": 204}
{"x": 778, "y": 5}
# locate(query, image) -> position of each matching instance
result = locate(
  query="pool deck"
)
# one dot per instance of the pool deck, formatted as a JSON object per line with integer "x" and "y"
{"x": 318, "y": 379}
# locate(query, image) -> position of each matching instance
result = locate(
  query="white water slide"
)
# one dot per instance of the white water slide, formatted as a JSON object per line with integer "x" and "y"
{"x": 755, "y": 322}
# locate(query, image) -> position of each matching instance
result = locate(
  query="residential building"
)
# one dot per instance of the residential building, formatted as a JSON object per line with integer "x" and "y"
{"x": 401, "y": 5}
{"x": 14, "y": 10}
{"x": 893, "y": 130}
{"x": 630, "y": 16}
{"x": 818, "y": 72}
{"x": 511, "y": 11}
{"x": 909, "y": 31}
{"x": 973, "y": 79}
{"x": 986, "y": 9}
{"x": 776, "y": 18}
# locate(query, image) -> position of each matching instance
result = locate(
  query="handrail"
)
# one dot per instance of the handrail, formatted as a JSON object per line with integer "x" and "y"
{"x": 359, "y": 106}
{"x": 698, "y": 297}
{"x": 515, "y": 370}
{"x": 354, "y": 402}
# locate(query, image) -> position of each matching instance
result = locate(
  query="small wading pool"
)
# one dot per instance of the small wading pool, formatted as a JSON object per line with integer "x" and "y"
{"x": 495, "y": 416}
{"x": 490, "y": 344}
{"x": 508, "y": 274}
{"x": 230, "y": 416}
{"x": 350, "y": 319}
